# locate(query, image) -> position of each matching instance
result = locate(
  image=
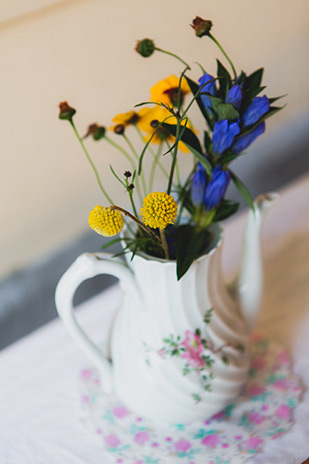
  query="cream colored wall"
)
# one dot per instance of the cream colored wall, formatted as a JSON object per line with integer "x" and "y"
{"x": 82, "y": 51}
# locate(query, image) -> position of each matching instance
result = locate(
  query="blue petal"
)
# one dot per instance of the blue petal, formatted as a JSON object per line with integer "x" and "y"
{"x": 216, "y": 188}
{"x": 256, "y": 109}
{"x": 223, "y": 135}
{"x": 243, "y": 142}
{"x": 209, "y": 88}
{"x": 234, "y": 96}
{"x": 198, "y": 185}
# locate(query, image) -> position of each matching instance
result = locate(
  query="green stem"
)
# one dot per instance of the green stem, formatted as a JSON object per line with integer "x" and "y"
{"x": 224, "y": 53}
{"x": 153, "y": 167}
{"x": 128, "y": 157}
{"x": 186, "y": 193}
{"x": 174, "y": 160}
{"x": 137, "y": 157}
{"x": 164, "y": 243}
{"x": 173, "y": 54}
{"x": 130, "y": 192}
{"x": 152, "y": 152}
{"x": 177, "y": 167}
{"x": 178, "y": 173}
{"x": 91, "y": 163}
{"x": 138, "y": 222}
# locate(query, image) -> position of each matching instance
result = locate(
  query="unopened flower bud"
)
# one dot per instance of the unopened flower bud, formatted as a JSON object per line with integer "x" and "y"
{"x": 66, "y": 112}
{"x": 127, "y": 174}
{"x": 119, "y": 129}
{"x": 145, "y": 47}
{"x": 201, "y": 26}
{"x": 96, "y": 131}
{"x": 131, "y": 186}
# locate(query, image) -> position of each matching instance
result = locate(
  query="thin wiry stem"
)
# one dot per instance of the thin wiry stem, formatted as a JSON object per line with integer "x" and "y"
{"x": 91, "y": 163}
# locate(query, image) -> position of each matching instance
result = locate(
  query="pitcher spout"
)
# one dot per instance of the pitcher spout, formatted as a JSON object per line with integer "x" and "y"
{"x": 248, "y": 284}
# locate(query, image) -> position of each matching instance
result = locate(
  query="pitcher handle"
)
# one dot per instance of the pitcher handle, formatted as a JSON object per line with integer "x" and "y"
{"x": 86, "y": 266}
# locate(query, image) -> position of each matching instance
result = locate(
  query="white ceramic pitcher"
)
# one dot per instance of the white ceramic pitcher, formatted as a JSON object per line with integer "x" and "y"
{"x": 167, "y": 362}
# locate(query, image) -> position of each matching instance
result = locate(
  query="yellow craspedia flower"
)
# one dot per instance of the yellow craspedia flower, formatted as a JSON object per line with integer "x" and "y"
{"x": 105, "y": 221}
{"x": 159, "y": 209}
{"x": 166, "y": 91}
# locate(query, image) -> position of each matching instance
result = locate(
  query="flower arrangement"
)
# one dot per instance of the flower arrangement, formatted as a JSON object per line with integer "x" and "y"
{"x": 176, "y": 224}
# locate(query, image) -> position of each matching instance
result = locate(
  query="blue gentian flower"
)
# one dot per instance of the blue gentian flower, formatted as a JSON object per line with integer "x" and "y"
{"x": 216, "y": 188}
{"x": 243, "y": 142}
{"x": 198, "y": 185}
{"x": 209, "y": 88}
{"x": 257, "y": 108}
{"x": 223, "y": 135}
{"x": 234, "y": 96}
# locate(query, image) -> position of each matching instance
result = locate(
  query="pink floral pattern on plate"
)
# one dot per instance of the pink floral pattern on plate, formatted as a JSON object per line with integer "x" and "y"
{"x": 263, "y": 412}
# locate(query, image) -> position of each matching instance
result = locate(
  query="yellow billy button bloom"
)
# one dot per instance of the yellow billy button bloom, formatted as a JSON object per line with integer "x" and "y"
{"x": 106, "y": 221}
{"x": 159, "y": 209}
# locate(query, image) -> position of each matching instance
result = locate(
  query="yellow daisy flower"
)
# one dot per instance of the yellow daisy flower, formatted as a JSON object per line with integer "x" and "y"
{"x": 106, "y": 221}
{"x": 124, "y": 119}
{"x": 159, "y": 209}
{"x": 146, "y": 115}
{"x": 166, "y": 91}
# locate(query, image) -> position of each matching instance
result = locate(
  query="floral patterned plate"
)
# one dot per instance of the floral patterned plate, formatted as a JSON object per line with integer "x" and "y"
{"x": 263, "y": 412}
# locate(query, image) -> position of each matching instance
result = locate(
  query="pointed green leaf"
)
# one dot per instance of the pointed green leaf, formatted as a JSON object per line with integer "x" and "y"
{"x": 119, "y": 180}
{"x": 188, "y": 247}
{"x": 272, "y": 100}
{"x": 207, "y": 142}
{"x": 111, "y": 242}
{"x": 225, "y": 210}
{"x": 242, "y": 190}
{"x": 147, "y": 145}
{"x": 223, "y": 110}
{"x": 201, "y": 158}
{"x": 250, "y": 95}
{"x": 187, "y": 137}
{"x": 228, "y": 157}
{"x": 255, "y": 79}
{"x": 272, "y": 110}
{"x": 224, "y": 79}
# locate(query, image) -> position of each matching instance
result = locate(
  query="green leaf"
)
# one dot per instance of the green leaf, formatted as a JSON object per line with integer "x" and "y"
{"x": 195, "y": 89}
{"x": 119, "y": 180}
{"x": 149, "y": 103}
{"x": 223, "y": 110}
{"x": 228, "y": 157}
{"x": 201, "y": 158}
{"x": 272, "y": 110}
{"x": 207, "y": 316}
{"x": 250, "y": 95}
{"x": 187, "y": 137}
{"x": 225, "y": 210}
{"x": 110, "y": 242}
{"x": 147, "y": 145}
{"x": 207, "y": 142}
{"x": 242, "y": 190}
{"x": 272, "y": 100}
{"x": 224, "y": 79}
{"x": 241, "y": 79}
{"x": 254, "y": 80}
{"x": 182, "y": 129}
{"x": 189, "y": 244}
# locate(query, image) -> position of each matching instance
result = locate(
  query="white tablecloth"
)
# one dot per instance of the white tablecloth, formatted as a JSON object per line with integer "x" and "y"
{"x": 40, "y": 418}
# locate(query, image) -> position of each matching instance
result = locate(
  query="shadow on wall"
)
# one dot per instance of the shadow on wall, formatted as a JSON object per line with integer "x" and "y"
{"x": 27, "y": 295}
